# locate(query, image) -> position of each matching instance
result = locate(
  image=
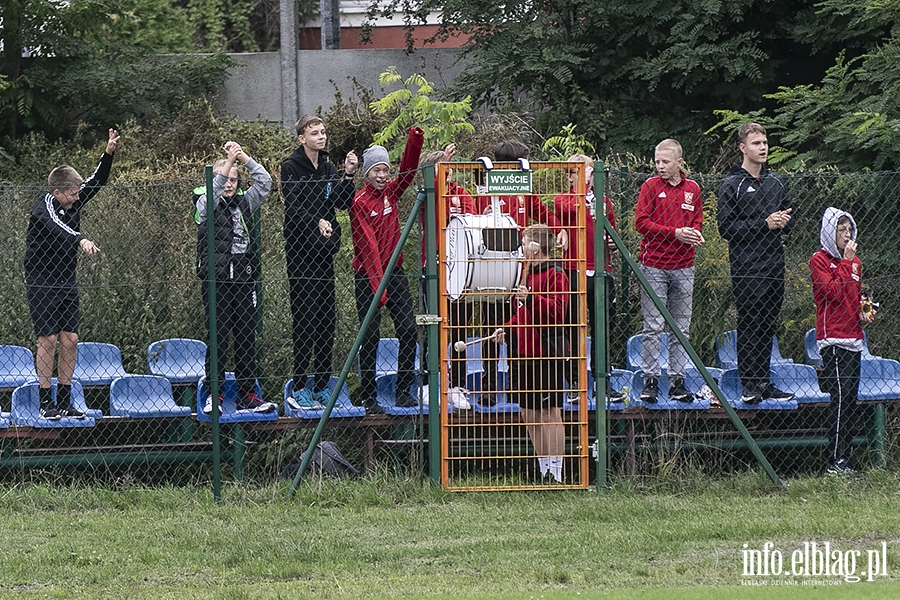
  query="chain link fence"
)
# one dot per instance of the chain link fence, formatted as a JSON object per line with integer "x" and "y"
{"x": 142, "y": 313}
{"x": 796, "y": 434}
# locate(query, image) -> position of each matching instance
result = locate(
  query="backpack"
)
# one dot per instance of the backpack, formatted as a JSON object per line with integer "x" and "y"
{"x": 326, "y": 460}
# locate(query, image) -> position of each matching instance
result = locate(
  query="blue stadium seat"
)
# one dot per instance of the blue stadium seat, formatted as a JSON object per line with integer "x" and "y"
{"x": 348, "y": 409}
{"x": 726, "y": 351}
{"x": 730, "y": 384}
{"x": 692, "y": 380}
{"x": 180, "y": 360}
{"x": 879, "y": 380}
{"x": 98, "y": 364}
{"x": 16, "y": 367}
{"x": 479, "y": 399}
{"x": 4, "y": 420}
{"x": 386, "y": 357}
{"x": 384, "y": 395}
{"x": 633, "y": 352}
{"x": 800, "y": 380}
{"x": 26, "y": 407}
{"x": 229, "y": 413}
{"x": 144, "y": 396}
{"x": 619, "y": 378}
{"x": 810, "y": 350}
{"x": 813, "y": 357}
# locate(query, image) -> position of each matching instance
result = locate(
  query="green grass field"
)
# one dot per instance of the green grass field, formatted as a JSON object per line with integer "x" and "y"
{"x": 387, "y": 538}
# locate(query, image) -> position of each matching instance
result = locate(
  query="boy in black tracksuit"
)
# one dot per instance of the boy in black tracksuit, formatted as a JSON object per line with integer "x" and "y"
{"x": 51, "y": 256}
{"x": 312, "y": 191}
{"x": 236, "y": 267}
{"x": 754, "y": 216}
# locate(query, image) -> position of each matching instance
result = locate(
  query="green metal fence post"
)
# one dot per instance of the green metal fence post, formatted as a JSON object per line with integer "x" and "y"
{"x": 707, "y": 378}
{"x": 599, "y": 334}
{"x": 213, "y": 379}
{"x": 432, "y": 324}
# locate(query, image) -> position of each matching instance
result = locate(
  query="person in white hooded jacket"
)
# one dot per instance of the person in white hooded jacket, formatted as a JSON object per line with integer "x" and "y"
{"x": 836, "y": 274}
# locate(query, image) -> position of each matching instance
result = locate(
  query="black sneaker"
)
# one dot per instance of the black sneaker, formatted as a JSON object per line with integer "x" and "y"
{"x": 650, "y": 393}
{"x": 613, "y": 395}
{"x": 842, "y": 467}
{"x": 70, "y": 411}
{"x": 770, "y": 392}
{"x": 373, "y": 408}
{"x": 679, "y": 392}
{"x": 50, "y": 412}
{"x": 751, "y": 395}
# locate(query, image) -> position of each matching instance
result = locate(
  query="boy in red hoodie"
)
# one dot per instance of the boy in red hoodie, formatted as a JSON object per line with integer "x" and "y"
{"x": 375, "y": 228}
{"x": 836, "y": 274}
{"x": 537, "y": 365}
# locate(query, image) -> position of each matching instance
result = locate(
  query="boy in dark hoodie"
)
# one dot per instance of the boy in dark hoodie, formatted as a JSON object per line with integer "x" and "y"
{"x": 312, "y": 190}
{"x": 836, "y": 274}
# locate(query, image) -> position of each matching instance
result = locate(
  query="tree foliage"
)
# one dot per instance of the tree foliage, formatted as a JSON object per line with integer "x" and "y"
{"x": 442, "y": 121}
{"x": 101, "y": 61}
{"x": 629, "y": 73}
{"x": 851, "y": 119}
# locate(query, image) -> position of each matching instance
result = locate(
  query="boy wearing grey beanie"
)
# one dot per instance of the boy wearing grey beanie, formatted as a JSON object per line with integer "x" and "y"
{"x": 375, "y": 228}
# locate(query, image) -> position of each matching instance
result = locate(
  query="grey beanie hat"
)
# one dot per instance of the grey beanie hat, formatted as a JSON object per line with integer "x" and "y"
{"x": 374, "y": 155}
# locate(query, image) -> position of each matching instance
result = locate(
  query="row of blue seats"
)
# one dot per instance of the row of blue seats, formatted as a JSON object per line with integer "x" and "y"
{"x": 176, "y": 361}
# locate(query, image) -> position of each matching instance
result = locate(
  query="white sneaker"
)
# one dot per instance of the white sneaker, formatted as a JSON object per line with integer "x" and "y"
{"x": 458, "y": 398}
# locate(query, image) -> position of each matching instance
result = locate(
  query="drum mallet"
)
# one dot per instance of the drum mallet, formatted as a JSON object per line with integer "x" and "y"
{"x": 460, "y": 346}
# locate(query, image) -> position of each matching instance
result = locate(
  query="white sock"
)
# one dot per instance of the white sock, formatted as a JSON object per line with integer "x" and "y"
{"x": 543, "y": 464}
{"x": 555, "y": 467}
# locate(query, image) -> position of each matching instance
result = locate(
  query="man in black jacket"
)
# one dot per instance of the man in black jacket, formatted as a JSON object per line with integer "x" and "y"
{"x": 51, "y": 256}
{"x": 754, "y": 216}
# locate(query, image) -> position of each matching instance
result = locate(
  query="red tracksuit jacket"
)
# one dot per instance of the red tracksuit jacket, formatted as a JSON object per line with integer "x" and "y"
{"x": 547, "y": 305}
{"x": 374, "y": 222}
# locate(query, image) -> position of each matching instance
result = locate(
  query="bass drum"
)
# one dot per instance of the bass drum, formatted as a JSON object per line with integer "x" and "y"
{"x": 483, "y": 258}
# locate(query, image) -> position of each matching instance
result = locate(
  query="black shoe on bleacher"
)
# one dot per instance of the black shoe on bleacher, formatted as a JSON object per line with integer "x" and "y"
{"x": 770, "y": 392}
{"x": 679, "y": 392}
{"x": 70, "y": 411}
{"x": 650, "y": 393}
{"x": 50, "y": 412}
{"x": 751, "y": 395}
{"x": 613, "y": 395}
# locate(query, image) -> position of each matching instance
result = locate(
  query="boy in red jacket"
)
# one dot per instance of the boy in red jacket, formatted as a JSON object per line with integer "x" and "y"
{"x": 537, "y": 366}
{"x": 669, "y": 214}
{"x": 567, "y": 206}
{"x": 375, "y": 228}
{"x": 836, "y": 274}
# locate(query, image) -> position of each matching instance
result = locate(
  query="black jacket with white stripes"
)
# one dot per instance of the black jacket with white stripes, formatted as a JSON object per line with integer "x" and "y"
{"x": 51, "y": 243}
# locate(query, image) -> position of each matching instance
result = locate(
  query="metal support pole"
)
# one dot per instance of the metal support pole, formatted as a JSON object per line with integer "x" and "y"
{"x": 433, "y": 328}
{"x": 600, "y": 334}
{"x": 213, "y": 375}
{"x": 707, "y": 378}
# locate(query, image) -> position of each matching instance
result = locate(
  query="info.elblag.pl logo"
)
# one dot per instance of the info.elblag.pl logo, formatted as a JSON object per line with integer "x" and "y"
{"x": 813, "y": 563}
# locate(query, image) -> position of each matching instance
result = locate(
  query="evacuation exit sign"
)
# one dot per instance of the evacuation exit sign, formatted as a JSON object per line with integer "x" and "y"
{"x": 508, "y": 182}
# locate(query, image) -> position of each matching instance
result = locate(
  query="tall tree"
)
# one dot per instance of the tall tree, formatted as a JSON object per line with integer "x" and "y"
{"x": 96, "y": 60}
{"x": 851, "y": 118}
{"x": 629, "y": 72}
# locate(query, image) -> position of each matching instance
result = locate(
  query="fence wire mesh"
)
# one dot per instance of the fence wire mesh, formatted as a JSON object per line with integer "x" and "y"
{"x": 143, "y": 331}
